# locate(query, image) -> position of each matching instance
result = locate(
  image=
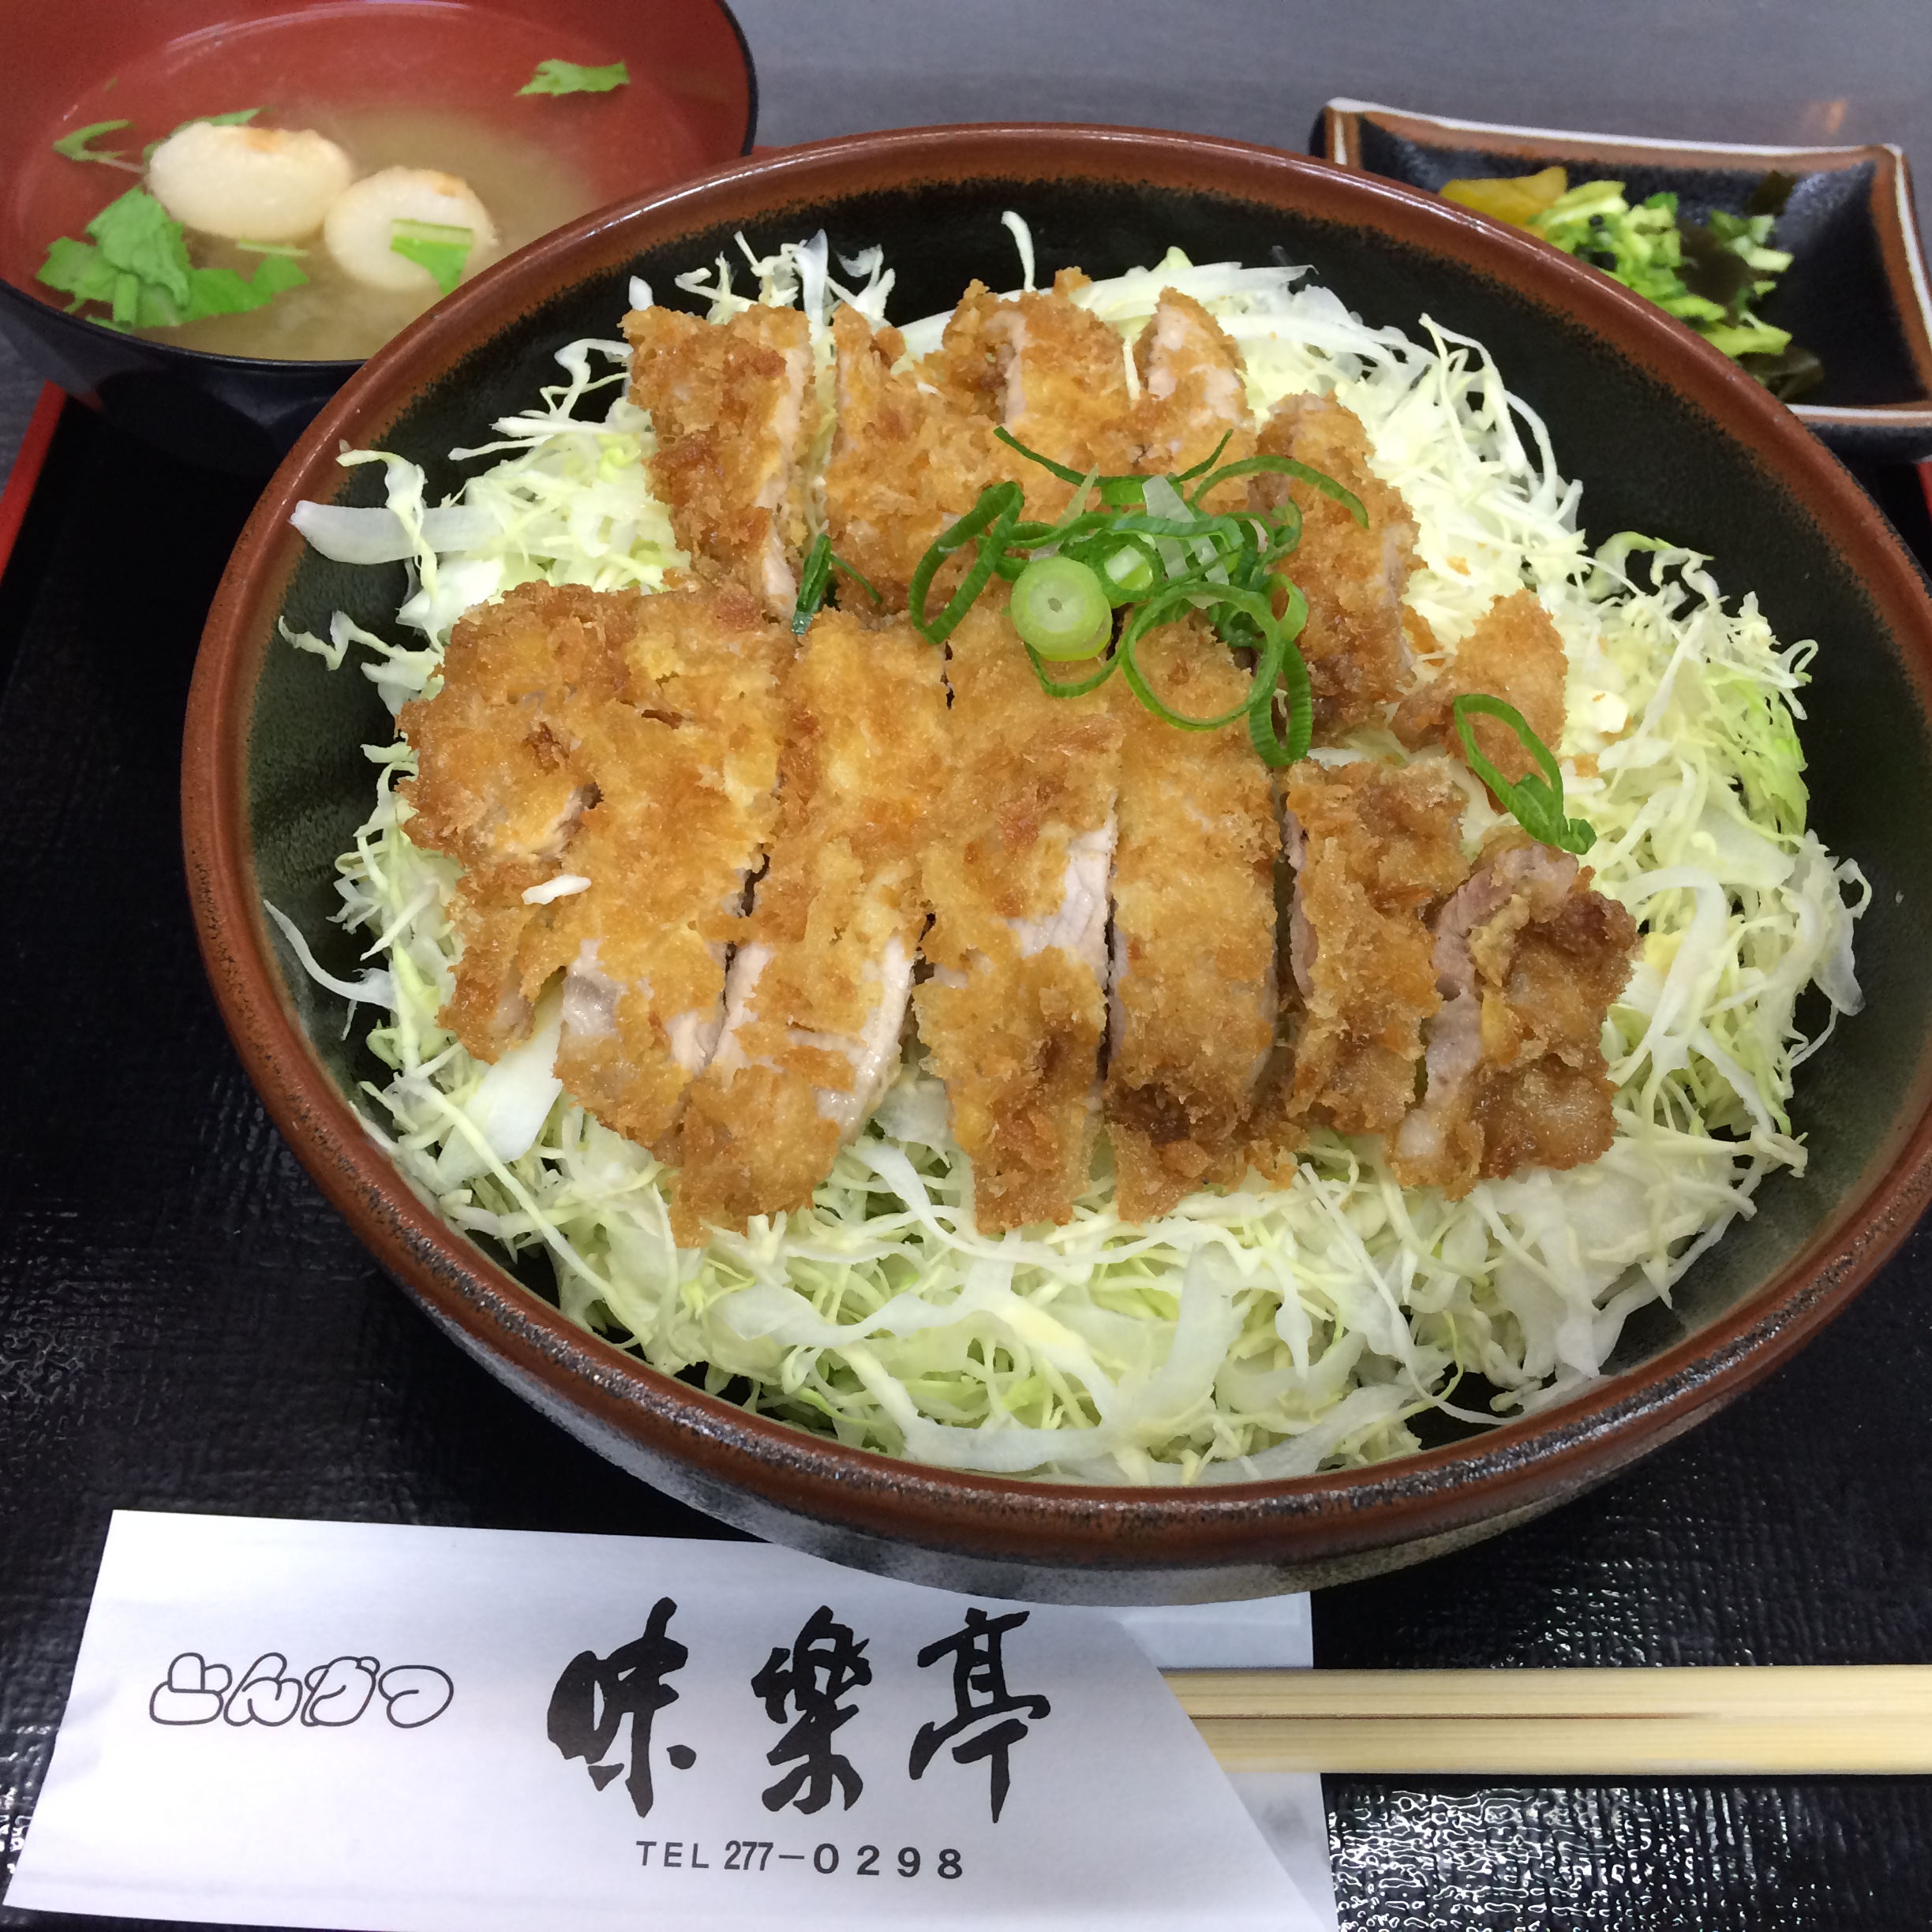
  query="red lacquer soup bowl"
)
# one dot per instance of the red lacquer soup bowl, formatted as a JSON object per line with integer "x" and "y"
{"x": 690, "y": 101}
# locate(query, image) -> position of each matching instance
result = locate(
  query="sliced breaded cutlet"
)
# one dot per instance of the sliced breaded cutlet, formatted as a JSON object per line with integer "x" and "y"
{"x": 907, "y": 460}
{"x": 1194, "y": 395}
{"x": 1016, "y": 874}
{"x": 1515, "y": 653}
{"x": 1527, "y": 959}
{"x": 626, "y": 740}
{"x": 1355, "y": 644}
{"x": 735, "y": 407}
{"x": 1374, "y": 849}
{"x": 1048, "y": 371}
{"x": 816, "y": 998}
{"x": 1193, "y": 995}
{"x": 498, "y": 786}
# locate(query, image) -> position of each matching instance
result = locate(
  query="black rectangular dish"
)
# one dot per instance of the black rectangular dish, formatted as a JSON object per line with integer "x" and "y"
{"x": 1855, "y": 294}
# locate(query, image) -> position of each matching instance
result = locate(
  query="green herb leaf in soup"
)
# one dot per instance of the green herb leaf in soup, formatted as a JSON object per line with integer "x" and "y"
{"x": 441, "y": 248}
{"x": 137, "y": 265}
{"x": 75, "y": 147}
{"x": 563, "y": 76}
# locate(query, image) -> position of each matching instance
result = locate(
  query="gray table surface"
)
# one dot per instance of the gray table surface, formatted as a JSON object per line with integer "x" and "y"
{"x": 1791, "y": 71}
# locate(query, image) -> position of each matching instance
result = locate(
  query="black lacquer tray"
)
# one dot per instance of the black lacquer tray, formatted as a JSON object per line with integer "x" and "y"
{"x": 186, "y": 1324}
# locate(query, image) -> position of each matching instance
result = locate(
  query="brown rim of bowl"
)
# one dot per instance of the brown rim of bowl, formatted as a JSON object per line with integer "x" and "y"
{"x": 1538, "y": 1460}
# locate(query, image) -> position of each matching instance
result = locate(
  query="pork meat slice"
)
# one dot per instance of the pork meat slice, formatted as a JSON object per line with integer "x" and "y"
{"x": 817, "y": 995}
{"x": 1193, "y": 992}
{"x": 1355, "y": 641}
{"x": 735, "y": 407}
{"x": 1527, "y": 959}
{"x": 640, "y": 734}
{"x": 1373, "y": 848}
{"x": 1193, "y": 397}
{"x": 1013, "y": 1016}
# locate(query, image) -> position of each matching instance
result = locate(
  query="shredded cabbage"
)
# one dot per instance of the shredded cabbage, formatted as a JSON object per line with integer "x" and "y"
{"x": 1266, "y": 1332}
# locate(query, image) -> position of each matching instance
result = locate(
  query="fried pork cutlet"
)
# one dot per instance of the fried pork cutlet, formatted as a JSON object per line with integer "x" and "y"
{"x": 1016, "y": 874}
{"x": 1514, "y": 653}
{"x": 1373, "y": 848}
{"x": 1357, "y": 653}
{"x": 907, "y": 460}
{"x": 1528, "y": 960}
{"x": 1193, "y": 393}
{"x": 1193, "y": 994}
{"x": 1048, "y": 371}
{"x": 630, "y": 741}
{"x": 817, "y": 995}
{"x": 735, "y": 407}
{"x": 497, "y": 787}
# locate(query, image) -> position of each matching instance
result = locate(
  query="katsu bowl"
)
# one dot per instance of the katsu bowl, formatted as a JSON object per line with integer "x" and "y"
{"x": 1081, "y": 864}
{"x": 213, "y": 211}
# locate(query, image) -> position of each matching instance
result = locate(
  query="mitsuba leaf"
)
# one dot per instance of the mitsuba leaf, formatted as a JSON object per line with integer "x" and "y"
{"x": 79, "y": 269}
{"x": 225, "y": 291}
{"x": 138, "y": 264}
{"x": 562, "y": 77}
{"x": 136, "y": 233}
{"x": 75, "y": 146}
{"x": 442, "y": 248}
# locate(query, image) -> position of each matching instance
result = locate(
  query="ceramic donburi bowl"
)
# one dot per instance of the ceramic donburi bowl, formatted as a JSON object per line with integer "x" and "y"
{"x": 1668, "y": 437}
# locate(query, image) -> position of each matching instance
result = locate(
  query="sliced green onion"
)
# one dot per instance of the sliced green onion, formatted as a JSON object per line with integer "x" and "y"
{"x": 1076, "y": 687}
{"x": 1149, "y": 616}
{"x": 1536, "y": 804}
{"x": 1130, "y": 570}
{"x": 990, "y": 522}
{"x": 1114, "y": 489}
{"x": 1286, "y": 465}
{"x": 859, "y": 577}
{"x": 1033, "y": 455}
{"x": 1060, "y": 609}
{"x": 1153, "y": 550}
{"x": 815, "y": 578}
{"x": 1206, "y": 463}
{"x": 1291, "y": 675}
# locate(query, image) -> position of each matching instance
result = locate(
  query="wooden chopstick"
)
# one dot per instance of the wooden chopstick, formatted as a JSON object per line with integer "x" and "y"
{"x": 1749, "y": 1721}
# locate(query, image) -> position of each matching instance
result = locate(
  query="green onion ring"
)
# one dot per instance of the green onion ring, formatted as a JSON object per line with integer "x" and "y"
{"x": 990, "y": 520}
{"x": 1056, "y": 687}
{"x": 1286, "y": 465}
{"x": 1537, "y": 804}
{"x": 1061, "y": 609}
{"x": 1144, "y": 620}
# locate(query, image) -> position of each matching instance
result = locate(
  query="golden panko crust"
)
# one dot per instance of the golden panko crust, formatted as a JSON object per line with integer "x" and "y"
{"x": 1194, "y": 950}
{"x": 657, "y": 718}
